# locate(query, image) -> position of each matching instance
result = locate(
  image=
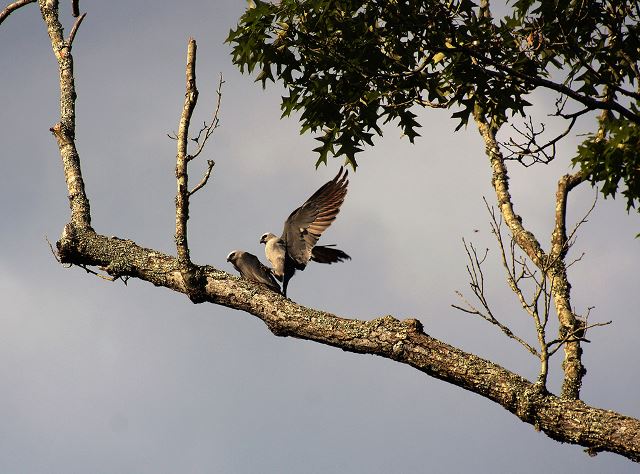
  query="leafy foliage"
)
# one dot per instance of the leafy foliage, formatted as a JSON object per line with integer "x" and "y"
{"x": 617, "y": 158}
{"x": 351, "y": 66}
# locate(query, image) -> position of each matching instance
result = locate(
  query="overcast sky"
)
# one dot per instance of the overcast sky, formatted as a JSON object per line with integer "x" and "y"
{"x": 105, "y": 378}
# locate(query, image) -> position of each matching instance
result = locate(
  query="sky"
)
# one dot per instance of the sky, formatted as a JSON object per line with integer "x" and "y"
{"x": 100, "y": 377}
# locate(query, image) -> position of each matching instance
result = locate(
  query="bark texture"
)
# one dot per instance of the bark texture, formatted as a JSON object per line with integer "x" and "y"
{"x": 552, "y": 264}
{"x": 564, "y": 418}
{"x": 404, "y": 341}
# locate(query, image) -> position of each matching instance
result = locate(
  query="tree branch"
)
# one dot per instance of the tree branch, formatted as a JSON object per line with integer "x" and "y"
{"x": 553, "y": 264}
{"x": 205, "y": 179}
{"x": 209, "y": 129}
{"x": 587, "y": 101}
{"x": 569, "y": 324}
{"x": 13, "y": 7}
{"x": 387, "y": 337}
{"x": 65, "y": 130}
{"x": 525, "y": 239}
{"x": 182, "y": 194}
{"x": 74, "y": 30}
{"x": 476, "y": 275}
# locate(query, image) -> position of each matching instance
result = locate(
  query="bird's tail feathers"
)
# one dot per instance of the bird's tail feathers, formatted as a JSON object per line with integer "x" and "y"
{"x": 328, "y": 254}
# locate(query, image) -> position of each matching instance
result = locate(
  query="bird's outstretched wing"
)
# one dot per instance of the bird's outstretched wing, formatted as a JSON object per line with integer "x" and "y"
{"x": 303, "y": 227}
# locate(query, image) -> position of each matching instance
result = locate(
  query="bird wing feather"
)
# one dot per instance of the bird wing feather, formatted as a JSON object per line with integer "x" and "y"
{"x": 251, "y": 268}
{"x": 305, "y": 225}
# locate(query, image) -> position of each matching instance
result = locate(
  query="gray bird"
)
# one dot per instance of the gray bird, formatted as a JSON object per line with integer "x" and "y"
{"x": 302, "y": 229}
{"x": 252, "y": 269}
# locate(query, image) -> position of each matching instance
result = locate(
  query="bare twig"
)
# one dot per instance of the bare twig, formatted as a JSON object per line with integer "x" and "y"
{"x": 99, "y": 275}
{"x": 476, "y": 275}
{"x": 208, "y": 129}
{"x": 531, "y": 307}
{"x": 53, "y": 251}
{"x": 531, "y": 148}
{"x": 471, "y": 309}
{"x": 75, "y": 8}
{"x": 207, "y": 173}
{"x": 570, "y": 237}
{"x": 576, "y": 334}
{"x": 13, "y": 7}
{"x": 74, "y": 30}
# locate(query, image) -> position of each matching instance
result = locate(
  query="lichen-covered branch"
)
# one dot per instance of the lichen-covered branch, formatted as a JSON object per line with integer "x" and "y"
{"x": 182, "y": 193}
{"x": 569, "y": 324}
{"x": 403, "y": 341}
{"x": 551, "y": 265}
{"x": 65, "y": 130}
{"x": 500, "y": 180}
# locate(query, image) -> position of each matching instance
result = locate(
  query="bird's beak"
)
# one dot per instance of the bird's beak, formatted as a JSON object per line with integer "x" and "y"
{"x": 262, "y": 240}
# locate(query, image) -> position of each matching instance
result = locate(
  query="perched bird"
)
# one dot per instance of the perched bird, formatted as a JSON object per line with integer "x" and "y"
{"x": 252, "y": 269}
{"x": 302, "y": 229}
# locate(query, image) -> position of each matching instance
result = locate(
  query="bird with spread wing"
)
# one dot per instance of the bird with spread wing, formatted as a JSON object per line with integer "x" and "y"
{"x": 302, "y": 229}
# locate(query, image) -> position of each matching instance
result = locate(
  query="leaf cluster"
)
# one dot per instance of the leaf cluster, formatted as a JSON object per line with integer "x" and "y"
{"x": 352, "y": 66}
{"x": 614, "y": 159}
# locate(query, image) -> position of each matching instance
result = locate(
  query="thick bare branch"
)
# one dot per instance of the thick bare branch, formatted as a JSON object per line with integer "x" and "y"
{"x": 65, "y": 130}
{"x": 13, "y": 7}
{"x": 569, "y": 324}
{"x": 182, "y": 193}
{"x": 524, "y": 238}
{"x": 402, "y": 341}
{"x": 548, "y": 264}
{"x": 559, "y": 241}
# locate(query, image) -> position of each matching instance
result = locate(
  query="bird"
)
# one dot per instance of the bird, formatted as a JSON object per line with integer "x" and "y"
{"x": 252, "y": 269}
{"x": 302, "y": 229}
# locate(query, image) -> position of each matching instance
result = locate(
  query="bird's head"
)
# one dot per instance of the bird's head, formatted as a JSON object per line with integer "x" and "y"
{"x": 266, "y": 237}
{"x": 232, "y": 256}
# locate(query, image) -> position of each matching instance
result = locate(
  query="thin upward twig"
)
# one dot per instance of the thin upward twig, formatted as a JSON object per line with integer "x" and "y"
{"x": 74, "y": 30}
{"x": 207, "y": 173}
{"x": 208, "y": 129}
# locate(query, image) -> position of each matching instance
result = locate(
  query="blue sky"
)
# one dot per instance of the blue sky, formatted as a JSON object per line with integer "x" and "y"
{"x": 100, "y": 377}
